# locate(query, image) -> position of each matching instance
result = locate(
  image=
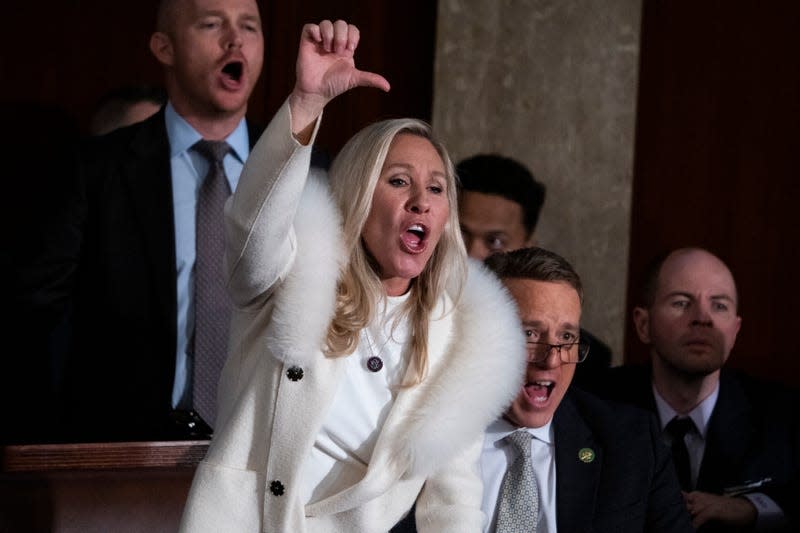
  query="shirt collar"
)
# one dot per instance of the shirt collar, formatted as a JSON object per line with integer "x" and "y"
{"x": 500, "y": 428}
{"x": 182, "y": 135}
{"x": 700, "y": 415}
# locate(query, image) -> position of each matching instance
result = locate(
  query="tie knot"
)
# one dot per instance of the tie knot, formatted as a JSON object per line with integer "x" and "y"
{"x": 521, "y": 441}
{"x": 213, "y": 151}
{"x": 677, "y": 428}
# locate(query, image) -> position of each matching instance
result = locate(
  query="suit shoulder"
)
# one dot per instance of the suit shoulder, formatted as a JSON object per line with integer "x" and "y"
{"x": 768, "y": 400}
{"x": 609, "y": 418}
{"x": 629, "y": 384}
{"x": 145, "y": 136}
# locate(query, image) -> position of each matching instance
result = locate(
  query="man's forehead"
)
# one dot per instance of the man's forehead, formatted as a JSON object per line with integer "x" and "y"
{"x": 552, "y": 302}
{"x": 692, "y": 271}
{"x": 187, "y": 6}
{"x": 485, "y": 207}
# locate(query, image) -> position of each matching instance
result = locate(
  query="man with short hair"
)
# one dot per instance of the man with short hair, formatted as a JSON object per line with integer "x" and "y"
{"x": 734, "y": 440}
{"x": 499, "y": 201}
{"x": 498, "y": 205}
{"x": 562, "y": 459}
{"x": 134, "y": 256}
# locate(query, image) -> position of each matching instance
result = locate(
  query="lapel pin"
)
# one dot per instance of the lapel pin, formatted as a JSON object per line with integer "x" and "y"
{"x": 586, "y": 455}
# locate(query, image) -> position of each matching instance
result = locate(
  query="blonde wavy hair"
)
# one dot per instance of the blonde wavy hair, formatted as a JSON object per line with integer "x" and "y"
{"x": 353, "y": 177}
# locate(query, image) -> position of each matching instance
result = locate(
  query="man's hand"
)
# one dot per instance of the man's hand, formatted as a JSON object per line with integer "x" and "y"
{"x": 326, "y": 69}
{"x": 733, "y": 511}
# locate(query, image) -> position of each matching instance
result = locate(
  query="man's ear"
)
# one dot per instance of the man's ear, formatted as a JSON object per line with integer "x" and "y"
{"x": 161, "y": 47}
{"x": 738, "y": 326}
{"x": 641, "y": 319}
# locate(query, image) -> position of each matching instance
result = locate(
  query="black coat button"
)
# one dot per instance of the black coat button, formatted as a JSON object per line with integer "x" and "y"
{"x": 374, "y": 364}
{"x": 295, "y": 373}
{"x": 276, "y": 488}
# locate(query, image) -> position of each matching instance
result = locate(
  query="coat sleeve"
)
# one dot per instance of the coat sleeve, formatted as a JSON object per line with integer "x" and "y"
{"x": 450, "y": 500}
{"x": 261, "y": 244}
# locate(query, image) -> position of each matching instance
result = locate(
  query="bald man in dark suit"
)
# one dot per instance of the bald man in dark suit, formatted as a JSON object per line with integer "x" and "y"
{"x": 737, "y": 454}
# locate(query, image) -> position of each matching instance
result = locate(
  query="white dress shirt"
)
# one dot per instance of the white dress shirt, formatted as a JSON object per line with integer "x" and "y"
{"x": 496, "y": 457}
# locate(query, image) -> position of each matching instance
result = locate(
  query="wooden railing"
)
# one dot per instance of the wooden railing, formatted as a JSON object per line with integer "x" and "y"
{"x": 94, "y": 487}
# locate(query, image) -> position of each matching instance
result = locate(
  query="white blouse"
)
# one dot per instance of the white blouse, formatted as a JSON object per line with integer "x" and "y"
{"x": 347, "y": 437}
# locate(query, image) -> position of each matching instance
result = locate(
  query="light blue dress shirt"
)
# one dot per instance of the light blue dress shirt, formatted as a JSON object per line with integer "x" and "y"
{"x": 188, "y": 171}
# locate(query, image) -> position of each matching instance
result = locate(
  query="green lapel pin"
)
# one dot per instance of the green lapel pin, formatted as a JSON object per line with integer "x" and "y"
{"x": 586, "y": 455}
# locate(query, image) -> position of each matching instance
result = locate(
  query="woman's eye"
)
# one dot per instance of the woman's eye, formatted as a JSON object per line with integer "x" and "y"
{"x": 397, "y": 182}
{"x": 435, "y": 189}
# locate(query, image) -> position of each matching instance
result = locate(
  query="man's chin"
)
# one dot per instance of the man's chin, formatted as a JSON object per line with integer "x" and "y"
{"x": 693, "y": 366}
{"x": 528, "y": 418}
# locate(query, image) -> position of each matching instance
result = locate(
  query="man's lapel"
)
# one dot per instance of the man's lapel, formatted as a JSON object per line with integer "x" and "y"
{"x": 730, "y": 435}
{"x": 578, "y": 464}
{"x": 147, "y": 178}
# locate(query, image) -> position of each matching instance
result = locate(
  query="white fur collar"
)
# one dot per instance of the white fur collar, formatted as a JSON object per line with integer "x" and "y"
{"x": 484, "y": 364}
{"x": 306, "y": 301}
{"x": 485, "y": 369}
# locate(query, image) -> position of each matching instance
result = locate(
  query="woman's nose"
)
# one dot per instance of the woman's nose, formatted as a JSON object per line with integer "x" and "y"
{"x": 418, "y": 202}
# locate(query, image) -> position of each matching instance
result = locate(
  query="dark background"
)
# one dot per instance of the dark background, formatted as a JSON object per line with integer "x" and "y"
{"x": 716, "y": 160}
{"x": 59, "y": 57}
{"x": 717, "y": 141}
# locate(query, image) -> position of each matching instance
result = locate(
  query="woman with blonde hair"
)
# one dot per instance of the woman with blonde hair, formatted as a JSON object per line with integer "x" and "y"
{"x": 366, "y": 357}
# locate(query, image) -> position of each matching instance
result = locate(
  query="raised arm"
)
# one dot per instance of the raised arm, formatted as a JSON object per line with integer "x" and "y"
{"x": 261, "y": 244}
{"x": 326, "y": 69}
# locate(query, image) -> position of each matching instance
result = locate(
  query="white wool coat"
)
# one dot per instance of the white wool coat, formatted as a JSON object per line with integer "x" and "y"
{"x": 284, "y": 254}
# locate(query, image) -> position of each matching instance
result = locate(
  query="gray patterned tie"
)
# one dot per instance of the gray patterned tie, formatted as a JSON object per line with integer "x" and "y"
{"x": 212, "y": 311}
{"x": 518, "y": 511}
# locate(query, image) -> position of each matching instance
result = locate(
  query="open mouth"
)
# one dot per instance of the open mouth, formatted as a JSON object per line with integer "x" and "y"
{"x": 232, "y": 72}
{"x": 414, "y": 238}
{"x": 539, "y": 392}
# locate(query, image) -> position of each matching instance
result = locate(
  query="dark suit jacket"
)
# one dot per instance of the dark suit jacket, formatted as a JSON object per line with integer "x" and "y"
{"x": 752, "y": 434}
{"x": 107, "y": 274}
{"x": 630, "y": 485}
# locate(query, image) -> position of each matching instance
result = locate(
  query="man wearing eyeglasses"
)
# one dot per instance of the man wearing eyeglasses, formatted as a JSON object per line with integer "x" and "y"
{"x": 561, "y": 459}
{"x": 499, "y": 201}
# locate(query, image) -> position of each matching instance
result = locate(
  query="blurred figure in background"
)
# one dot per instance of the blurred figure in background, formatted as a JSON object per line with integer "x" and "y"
{"x": 125, "y": 106}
